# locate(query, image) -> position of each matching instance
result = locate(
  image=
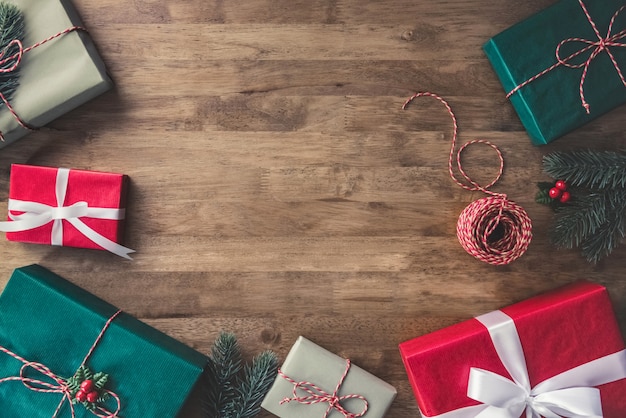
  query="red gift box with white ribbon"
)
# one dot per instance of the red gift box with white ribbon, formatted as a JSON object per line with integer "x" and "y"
{"x": 559, "y": 354}
{"x": 67, "y": 207}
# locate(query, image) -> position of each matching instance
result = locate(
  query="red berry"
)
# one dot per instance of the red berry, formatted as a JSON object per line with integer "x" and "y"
{"x": 561, "y": 185}
{"x": 81, "y": 396}
{"x": 92, "y": 396}
{"x": 565, "y": 197}
{"x": 87, "y": 385}
{"x": 555, "y": 193}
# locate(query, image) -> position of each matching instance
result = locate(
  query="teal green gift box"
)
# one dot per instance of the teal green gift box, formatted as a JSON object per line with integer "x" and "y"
{"x": 48, "y": 320}
{"x": 551, "y": 105}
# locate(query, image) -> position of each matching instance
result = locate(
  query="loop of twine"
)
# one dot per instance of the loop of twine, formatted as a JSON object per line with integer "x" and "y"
{"x": 596, "y": 47}
{"x": 492, "y": 229}
{"x": 318, "y": 395}
{"x": 60, "y": 384}
{"x": 16, "y": 60}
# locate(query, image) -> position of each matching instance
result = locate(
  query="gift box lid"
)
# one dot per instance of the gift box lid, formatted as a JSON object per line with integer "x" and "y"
{"x": 308, "y": 362}
{"x": 551, "y": 106}
{"x": 558, "y": 330}
{"x": 57, "y": 76}
{"x": 46, "y": 319}
{"x": 98, "y": 189}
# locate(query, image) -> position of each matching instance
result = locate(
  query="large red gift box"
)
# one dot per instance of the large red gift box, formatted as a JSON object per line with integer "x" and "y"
{"x": 557, "y": 332}
{"x": 87, "y": 207}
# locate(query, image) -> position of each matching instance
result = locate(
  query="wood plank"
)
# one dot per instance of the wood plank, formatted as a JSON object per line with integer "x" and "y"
{"x": 278, "y": 188}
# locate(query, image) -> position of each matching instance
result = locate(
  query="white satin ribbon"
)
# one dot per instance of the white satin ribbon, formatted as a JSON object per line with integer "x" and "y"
{"x": 569, "y": 394}
{"x": 38, "y": 214}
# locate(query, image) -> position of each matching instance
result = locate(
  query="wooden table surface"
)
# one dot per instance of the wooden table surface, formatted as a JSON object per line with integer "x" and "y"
{"x": 278, "y": 189}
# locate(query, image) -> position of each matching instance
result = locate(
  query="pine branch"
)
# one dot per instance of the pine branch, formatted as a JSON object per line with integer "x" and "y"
{"x": 591, "y": 169}
{"x": 579, "y": 220}
{"x": 611, "y": 232}
{"x": 256, "y": 382}
{"x": 234, "y": 392}
{"x": 11, "y": 27}
{"x": 596, "y": 223}
{"x": 223, "y": 367}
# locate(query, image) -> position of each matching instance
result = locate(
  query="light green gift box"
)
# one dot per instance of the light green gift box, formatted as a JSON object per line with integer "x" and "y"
{"x": 57, "y": 76}
{"x": 310, "y": 363}
{"x": 48, "y": 320}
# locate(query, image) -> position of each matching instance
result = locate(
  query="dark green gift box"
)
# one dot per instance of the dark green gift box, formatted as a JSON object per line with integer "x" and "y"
{"x": 551, "y": 106}
{"x": 46, "y": 319}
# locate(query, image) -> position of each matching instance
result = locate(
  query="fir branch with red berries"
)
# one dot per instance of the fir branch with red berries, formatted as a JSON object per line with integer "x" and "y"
{"x": 589, "y": 200}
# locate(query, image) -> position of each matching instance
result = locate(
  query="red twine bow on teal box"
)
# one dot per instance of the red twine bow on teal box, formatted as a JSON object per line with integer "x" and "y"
{"x": 84, "y": 387}
{"x": 603, "y": 44}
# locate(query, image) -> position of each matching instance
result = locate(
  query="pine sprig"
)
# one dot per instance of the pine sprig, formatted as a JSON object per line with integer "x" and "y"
{"x": 611, "y": 232}
{"x": 577, "y": 221}
{"x": 595, "y": 218}
{"x": 586, "y": 168}
{"x": 233, "y": 391}
{"x": 11, "y": 27}
{"x": 224, "y": 365}
{"x": 257, "y": 380}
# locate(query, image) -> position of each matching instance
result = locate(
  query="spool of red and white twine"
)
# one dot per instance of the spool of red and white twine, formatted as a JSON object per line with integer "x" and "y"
{"x": 492, "y": 229}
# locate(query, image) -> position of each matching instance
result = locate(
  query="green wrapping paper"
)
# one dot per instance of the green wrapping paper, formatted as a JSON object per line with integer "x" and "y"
{"x": 309, "y": 362}
{"x": 57, "y": 76}
{"x": 47, "y": 319}
{"x": 551, "y": 106}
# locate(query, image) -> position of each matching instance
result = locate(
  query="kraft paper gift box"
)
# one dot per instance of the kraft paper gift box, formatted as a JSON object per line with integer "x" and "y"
{"x": 311, "y": 373}
{"x": 45, "y": 319}
{"x": 551, "y": 105}
{"x": 58, "y": 206}
{"x": 57, "y": 76}
{"x": 563, "y": 350}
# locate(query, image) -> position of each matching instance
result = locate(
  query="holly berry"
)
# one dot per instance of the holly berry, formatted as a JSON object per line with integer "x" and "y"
{"x": 561, "y": 185}
{"x": 555, "y": 193}
{"x": 565, "y": 197}
{"x": 92, "y": 396}
{"x": 87, "y": 385}
{"x": 81, "y": 396}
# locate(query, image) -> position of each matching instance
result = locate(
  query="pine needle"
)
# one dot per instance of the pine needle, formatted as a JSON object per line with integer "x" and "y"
{"x": 11, "y": 27}
{"x": 586, "y": 168}
{"x": 233, "y": 391}
{"x": 256, "y": 382}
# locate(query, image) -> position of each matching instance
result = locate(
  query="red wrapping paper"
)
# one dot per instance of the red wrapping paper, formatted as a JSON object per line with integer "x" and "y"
{"x": 98, "y": 189}
{"x": 558, "y": 330}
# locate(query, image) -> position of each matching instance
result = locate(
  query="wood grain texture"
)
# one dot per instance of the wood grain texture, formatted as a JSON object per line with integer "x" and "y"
{"x": 278, "y": 189}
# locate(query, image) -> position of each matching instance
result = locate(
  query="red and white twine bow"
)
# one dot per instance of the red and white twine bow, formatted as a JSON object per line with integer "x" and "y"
{"x": 318, "y": 395}
{"x": 479, "y": 220}
{"x": 58, "y": 384}
{"x": 603, "y": 44}
{"x": 16, "y": 60}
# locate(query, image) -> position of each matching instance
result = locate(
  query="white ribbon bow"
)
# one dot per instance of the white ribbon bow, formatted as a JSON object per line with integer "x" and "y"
{"x": 569, "y": 394}
{"x": 39, "y": 214}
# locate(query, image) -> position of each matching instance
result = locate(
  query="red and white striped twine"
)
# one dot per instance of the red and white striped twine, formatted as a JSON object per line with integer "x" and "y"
{"x": 492, "y": 229}
{"x": 17, "y": 59}
{"x": 319, "y": 395}
{"x": 60, "y": 384}
{"x": 601, "y": 45}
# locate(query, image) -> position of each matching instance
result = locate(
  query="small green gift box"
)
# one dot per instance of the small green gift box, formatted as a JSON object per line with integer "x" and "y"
{"x": 54, "y": 336}
{"x": 315, "y": 383}
{"x": 56, "y": 76}
{"x": 555, "y": 94}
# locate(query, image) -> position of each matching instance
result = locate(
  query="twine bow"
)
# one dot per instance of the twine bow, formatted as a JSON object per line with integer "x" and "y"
{"x": 319, "y": 395}
{"x": 596, "y": 47}
{"x": 16, "y": 60}
{"x": 58, "y": 384}
{"x": 39, "y": 214}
